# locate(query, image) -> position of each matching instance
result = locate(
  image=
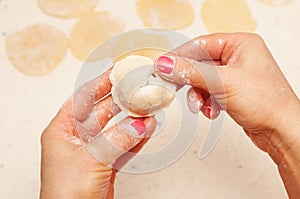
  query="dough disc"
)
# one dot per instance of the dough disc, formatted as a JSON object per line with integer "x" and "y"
{"x": 169, "y": 14}
{"x": 92, "y": 30}
{"x": 37, "y": 49}
{"x": 67, "y": 8}
{"x": 227, "y": 16}
{"x": 276, "y": 2}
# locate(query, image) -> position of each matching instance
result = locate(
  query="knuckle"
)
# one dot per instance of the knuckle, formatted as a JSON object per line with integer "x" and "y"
{"x": 249, "y": 36}
{"x": 257, "y": 37}
{"x": 44, "y": 136}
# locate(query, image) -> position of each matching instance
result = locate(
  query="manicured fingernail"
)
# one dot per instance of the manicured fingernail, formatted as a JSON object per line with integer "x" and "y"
{"x": 208, "y": 111}
{"x": 139, "y": 126}
{"x": 165, "y": 64}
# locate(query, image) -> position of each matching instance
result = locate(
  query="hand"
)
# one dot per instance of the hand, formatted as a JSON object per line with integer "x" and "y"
{"x": 68, "y": 170}
{"x": 237, "y": 73}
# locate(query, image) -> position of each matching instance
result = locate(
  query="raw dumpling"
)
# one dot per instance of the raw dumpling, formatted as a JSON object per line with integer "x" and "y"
{"x": 137, "y": 90}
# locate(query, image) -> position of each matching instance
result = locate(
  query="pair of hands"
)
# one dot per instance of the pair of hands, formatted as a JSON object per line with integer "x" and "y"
{"x": 256, "y": 95}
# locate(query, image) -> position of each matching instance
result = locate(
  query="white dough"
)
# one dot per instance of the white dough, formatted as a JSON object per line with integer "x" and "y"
{"x": 137, "y": 90}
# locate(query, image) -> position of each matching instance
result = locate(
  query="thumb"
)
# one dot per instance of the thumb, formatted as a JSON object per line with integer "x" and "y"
{"x": 120, "y": 138}
{"x": 184, "y": 71}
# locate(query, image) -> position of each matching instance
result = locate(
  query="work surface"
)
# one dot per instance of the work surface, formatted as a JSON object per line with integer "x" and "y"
{"x": 235, "y": 169}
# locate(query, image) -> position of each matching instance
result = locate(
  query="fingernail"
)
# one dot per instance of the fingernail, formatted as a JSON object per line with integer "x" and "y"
{"x": 139, "y": 126}
{"x": 195, "y": 106}
{"x": 165, "y": 64}
{"x": 194, "y": 103}
{"x": 208, "y": 111}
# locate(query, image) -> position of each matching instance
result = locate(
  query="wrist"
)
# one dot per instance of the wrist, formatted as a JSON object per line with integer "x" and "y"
{"x": 74, "y": 191}
{"x": 284, "y": 149}
{"x": 77, "y": 183}
{"x": 285, "y": 135}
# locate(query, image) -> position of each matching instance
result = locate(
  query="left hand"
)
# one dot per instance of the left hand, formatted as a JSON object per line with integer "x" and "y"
{"x": 68, "y": 170}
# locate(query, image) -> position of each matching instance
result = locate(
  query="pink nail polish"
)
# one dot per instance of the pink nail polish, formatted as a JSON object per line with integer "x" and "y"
{"x": 165, "y": 64}
{"x": 139, "y": 126}
{"x": 208, "y": 111}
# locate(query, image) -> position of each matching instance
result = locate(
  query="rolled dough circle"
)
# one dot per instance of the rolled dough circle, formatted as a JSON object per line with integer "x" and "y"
{"x": 91, "y": 30}
{"x": 37, "y": 49}
{"x": 276, "y": 2}
{"x": 227, "y": 16}
{"x": 170, "y": 14}
{"x": 67, "y": 8}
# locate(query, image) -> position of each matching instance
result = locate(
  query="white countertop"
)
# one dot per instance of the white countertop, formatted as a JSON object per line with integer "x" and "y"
{"x": 235, "y": 169}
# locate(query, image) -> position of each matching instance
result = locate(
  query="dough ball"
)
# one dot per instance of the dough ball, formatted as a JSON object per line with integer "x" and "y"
{"x": 126, "y": 65}
{"x": 227, "y": 16}
{"x": 276, "y": 2}
{"x": 137, "y": 90}
{"x": 148, "y": 100}
{"x": 169, "y": 14}
{"x": 67, "y": 8}
{"x": 37, "y": 49}
{"x": 91, "y": 30}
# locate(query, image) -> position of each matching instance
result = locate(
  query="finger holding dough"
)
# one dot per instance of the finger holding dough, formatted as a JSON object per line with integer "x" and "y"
{"x": 120, "y": 138}
{"x": 195, "y": 99}
{"x": 89, "y": 93}
{"x": 102, "y": 112}
{"x": 81, "y": 103}
{"x": 184, "y": 71}
{"x": 210, "y": 108}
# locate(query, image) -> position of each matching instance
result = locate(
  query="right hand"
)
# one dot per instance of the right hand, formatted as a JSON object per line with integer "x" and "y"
{"x": 256, "y": 94}
{"x": 252, "y": 90}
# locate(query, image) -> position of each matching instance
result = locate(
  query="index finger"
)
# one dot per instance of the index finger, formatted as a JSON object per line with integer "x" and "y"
{"x": 216, "y": 47}
{"x": 89, "y": 93}
{"x": 81, "y": 103}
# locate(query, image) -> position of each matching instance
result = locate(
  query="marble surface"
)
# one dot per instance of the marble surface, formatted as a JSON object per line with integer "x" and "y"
{"x": 235, "y": 168}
